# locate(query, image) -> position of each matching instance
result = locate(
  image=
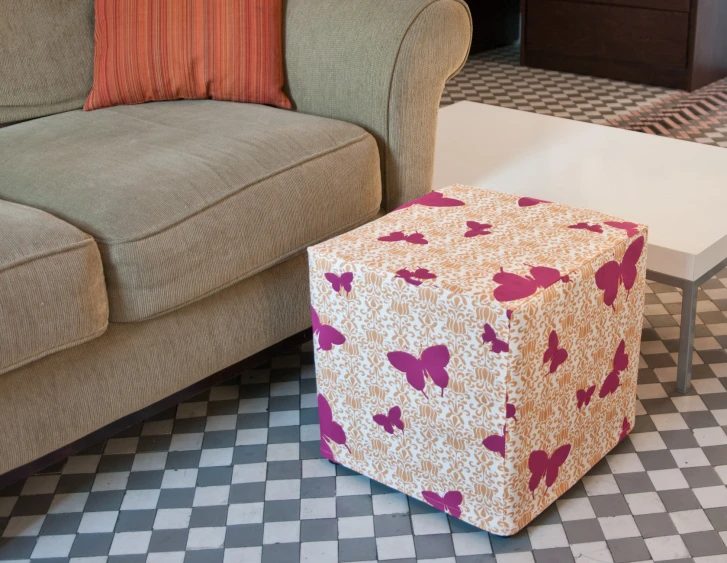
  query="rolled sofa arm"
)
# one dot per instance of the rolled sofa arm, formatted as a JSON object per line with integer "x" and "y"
{"x": 381, "y": 64}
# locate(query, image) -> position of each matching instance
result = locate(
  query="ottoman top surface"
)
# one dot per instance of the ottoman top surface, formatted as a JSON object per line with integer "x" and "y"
{"x": 499, "y": 247}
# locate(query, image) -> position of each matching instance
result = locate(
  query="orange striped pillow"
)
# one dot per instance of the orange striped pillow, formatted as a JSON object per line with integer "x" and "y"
{"x": 153, "y": 50}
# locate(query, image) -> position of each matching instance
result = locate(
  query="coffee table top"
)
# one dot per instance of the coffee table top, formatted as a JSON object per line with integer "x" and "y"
{"x": 677, "y": 188}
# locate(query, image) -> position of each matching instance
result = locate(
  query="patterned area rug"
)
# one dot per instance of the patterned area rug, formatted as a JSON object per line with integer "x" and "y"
{"x": 699, "y": 116}
{"x": 497, "y": 78}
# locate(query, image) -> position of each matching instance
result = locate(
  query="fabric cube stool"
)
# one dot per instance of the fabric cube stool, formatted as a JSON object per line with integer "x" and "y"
{"x": 478, "y": 350}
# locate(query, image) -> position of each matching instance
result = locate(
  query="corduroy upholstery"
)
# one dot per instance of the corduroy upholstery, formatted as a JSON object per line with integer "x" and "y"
{"x": 52, "y": 293}
{"x": 46, "y": 57}
{"x": 185, "y": 198}
{"x": 54, "y": 401}
{"x": 381, "y": 64}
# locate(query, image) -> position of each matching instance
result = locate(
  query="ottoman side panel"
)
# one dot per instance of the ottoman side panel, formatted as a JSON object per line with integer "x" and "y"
{"x": 411, "y": 393}
{"x": 575, "y": 357}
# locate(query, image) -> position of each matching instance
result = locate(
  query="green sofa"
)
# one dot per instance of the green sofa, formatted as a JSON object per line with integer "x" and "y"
{"x": 144, "y": 248}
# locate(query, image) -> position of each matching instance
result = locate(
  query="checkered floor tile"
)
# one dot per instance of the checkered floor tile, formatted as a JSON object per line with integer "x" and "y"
{"x": 235, "y": 475}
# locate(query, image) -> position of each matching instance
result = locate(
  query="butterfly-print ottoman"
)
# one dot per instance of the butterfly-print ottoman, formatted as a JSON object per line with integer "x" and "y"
{"x": 477, "y": 350}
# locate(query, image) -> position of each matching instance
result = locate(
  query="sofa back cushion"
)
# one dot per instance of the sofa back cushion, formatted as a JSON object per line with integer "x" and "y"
{"x": 46, "y": 57}
{"x": 157, "y": 50}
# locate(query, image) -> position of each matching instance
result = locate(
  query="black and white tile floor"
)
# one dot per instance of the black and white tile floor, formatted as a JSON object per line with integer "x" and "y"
{"x": 235, "y": 475}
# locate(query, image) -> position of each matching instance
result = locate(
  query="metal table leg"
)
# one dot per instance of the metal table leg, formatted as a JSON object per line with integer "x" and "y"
{"x": 689, "y": 318}
{"x": 688, "y": 321}
{"x": 686, "y": 335}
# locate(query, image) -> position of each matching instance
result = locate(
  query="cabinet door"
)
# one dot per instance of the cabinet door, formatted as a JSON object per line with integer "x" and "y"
{"x": 608, "y": 32}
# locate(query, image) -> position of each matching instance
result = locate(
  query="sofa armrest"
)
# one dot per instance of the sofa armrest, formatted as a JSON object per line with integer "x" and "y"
{"x": 381, "y": 64}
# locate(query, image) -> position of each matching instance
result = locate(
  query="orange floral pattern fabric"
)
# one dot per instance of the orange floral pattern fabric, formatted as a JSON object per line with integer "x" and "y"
{"x": 478, "y": 350}
{"x": 153, "y": 50}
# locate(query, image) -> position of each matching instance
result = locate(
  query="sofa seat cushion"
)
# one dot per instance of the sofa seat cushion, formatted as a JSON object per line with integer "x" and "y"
{"x": 185, "y": 198}
{"x": 52, "y": 292}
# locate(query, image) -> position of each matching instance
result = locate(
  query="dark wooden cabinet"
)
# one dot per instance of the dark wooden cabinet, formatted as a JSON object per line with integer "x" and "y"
{"x": 668, "y": 5}
{"x": 495, "y": 23}
{"x": 673, "y": 43}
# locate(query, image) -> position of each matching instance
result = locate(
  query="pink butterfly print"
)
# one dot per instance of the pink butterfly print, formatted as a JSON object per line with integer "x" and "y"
{"x": 509, "y": 317}
{"x": 327, "y": 335}
{"x": 476, "y": 229}
{"x": 587, "y": 227}
{"x": 343, "y": 281}
{"x": 490, "y": 336}
{"x": 620, "y": 363}
{"x": 496, "y": 442}
{"x": 625, "y": 429}
{"x": 612, "y": 274}
{"x": 584, "y": 396}
{"x": 433, "y": 199}
{"x": 530, "y": 201}
{"x": 510, "y": 410}
{"x": 416, "y": 277}
{"x": 514, "y": 287}
{"x": 556, "y": 356}
{"x": 630, "y": 228}
{"x": 431, "y": 364}
{"x": 450, "y": 502}
{"x": 398, "y": 236}
{"x": 541, "y": 465}
{"x": 391, "y": 420}
{"x": 331, "y": 431}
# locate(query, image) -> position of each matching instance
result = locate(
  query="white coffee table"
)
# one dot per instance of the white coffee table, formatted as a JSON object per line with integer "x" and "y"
{"x": 677, "y": 188}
